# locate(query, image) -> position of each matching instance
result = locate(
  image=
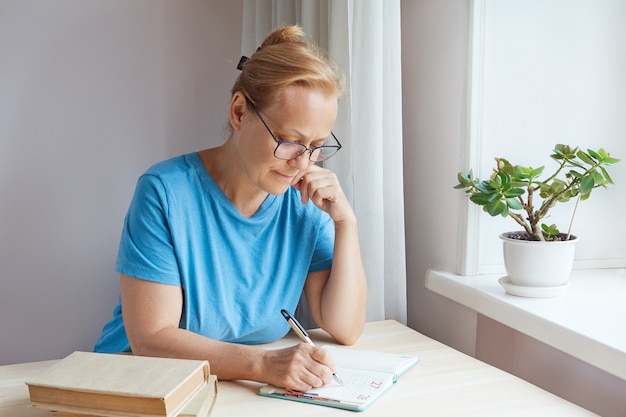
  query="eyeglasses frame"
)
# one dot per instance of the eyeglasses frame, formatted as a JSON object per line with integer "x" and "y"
{"x": 306, "y": 149}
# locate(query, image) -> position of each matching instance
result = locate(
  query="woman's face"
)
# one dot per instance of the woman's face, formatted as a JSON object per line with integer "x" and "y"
{"x": 301, "y": 115}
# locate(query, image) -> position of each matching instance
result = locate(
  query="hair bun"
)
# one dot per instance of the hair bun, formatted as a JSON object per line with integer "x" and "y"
{"x": 287, "y": 34}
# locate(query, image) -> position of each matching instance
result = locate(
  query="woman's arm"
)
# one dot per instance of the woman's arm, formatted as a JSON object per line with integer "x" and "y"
{"x": 337, "y": 298}
{"x": 152, "y": 311}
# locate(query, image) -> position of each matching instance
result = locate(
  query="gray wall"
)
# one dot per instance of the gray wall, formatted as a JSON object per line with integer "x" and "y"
{"x": 435, "y": 59}
{"x": 91, "y": 94}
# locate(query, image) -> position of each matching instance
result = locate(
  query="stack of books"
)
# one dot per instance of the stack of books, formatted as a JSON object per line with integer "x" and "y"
{"x": 87, "y": 384}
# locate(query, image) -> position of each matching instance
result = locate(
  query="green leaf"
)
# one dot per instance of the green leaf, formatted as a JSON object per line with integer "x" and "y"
{"x": 504, "y": 166}
{"x": 526, "y": 173}
{"x": 550, "y": 231}
{"x": 505, "y": 180}
{"x": 480, "y": 199}
{"x": 465, "y": 179}
{"x": 607, "y": 177}
{"x": 497, "y": 208}
{"x": 484, "y": 187}
{"x": 560, "y": 151}
{"x": 593, "y": 154}
{"x": 598, "y": 178}
{"x": 536, "y": 172}
{"x": 575, "y": 174}
{"x": 514, "y": 204}
{"x": 565, "y": 197}
{"x": 514, "y": 192}
{"x": 557, "y": 186}
{"x": 586, "y": 185}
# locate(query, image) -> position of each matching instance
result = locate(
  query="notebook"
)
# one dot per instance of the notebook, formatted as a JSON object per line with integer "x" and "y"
{"x": 366, "y": 376}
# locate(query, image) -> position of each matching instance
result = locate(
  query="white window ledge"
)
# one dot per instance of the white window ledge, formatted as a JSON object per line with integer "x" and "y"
{"x": 588, "y": 321}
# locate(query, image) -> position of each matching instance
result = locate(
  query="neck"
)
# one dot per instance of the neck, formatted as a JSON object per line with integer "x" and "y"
{"x": 222, "y": 164}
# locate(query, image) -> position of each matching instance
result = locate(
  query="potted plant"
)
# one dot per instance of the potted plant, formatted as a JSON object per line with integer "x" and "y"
{"x": 540, "y": 255}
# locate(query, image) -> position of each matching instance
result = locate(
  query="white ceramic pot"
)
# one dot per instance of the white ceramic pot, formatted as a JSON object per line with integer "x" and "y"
{"x": 538, "y": 264}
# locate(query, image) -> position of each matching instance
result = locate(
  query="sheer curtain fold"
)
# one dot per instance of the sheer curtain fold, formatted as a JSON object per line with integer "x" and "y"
{"x": 363, "y": 38}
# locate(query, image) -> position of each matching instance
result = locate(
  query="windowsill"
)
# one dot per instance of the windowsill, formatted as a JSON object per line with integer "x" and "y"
{"x": 588, "y": 321}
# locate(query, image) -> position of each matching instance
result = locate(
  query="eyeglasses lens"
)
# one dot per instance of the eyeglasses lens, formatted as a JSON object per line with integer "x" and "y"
{"x": 292, "y": 150}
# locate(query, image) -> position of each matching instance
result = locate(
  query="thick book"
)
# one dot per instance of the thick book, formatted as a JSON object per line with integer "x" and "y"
{"x": 200, "y": 405}
{"x": 110, "y": 384}
{"x": 366, "y": 376}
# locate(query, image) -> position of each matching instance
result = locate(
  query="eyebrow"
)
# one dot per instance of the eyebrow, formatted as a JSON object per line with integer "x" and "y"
{"x": 297, "y": 133}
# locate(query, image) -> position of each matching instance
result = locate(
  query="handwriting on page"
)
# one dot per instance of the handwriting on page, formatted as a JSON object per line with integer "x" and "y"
{"x": 358, "y": 385}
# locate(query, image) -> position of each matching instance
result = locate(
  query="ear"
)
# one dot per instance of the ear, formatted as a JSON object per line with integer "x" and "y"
{"x": 238, "y": 107}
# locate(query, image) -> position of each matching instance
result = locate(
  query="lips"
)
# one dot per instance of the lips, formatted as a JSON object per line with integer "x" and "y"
{"x": 290, "y": 178}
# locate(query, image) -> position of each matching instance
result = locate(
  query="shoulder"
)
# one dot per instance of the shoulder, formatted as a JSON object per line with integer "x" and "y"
{"x": 163, "y": 180}
{"x": 173, "y": 166}
{"x": 173, "y": 172}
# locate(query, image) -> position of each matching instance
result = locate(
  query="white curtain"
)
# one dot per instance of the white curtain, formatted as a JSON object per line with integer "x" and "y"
{"x": 363, "y": 37}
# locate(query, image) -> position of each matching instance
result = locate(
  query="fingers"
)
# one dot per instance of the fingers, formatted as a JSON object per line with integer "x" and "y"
{"x": 324, "y": 357}
{"x": 322, "y": 187}
{"x": 301, "y": 367}
{"x": 315, "y": 179}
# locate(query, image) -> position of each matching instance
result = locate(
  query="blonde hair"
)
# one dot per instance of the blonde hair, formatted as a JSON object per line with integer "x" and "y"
{"x": 286, "y": 58}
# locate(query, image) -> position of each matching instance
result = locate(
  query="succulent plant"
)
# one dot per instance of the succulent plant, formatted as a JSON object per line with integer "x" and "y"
{"x": 518, "y": 191}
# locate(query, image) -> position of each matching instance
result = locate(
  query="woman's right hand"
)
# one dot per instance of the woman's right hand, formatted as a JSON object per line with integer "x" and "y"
{"x": 299, "y": 368}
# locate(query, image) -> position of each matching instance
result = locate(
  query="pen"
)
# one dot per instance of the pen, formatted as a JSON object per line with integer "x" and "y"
{"x": 303, "y": 335}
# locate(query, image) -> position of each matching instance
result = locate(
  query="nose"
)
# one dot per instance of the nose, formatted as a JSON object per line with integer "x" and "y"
{"x": 301, "y": 161}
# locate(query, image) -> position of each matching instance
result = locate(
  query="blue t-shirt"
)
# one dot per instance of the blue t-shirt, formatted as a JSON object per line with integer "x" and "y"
{"x": 236, "y": 273}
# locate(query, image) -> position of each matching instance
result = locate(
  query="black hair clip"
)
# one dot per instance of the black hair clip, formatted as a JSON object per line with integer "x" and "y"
{"x": 241, "y": 62}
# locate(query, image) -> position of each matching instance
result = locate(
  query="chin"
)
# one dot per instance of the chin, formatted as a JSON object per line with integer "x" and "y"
{"x": 276, "y": 185}
{"x": 279, "y": 190}
{"x": 275, "y": 188}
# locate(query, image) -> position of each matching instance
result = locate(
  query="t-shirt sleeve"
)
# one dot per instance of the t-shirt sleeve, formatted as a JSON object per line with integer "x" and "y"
{"x": 323, "y": 253}
{"x": 146, "y": 250}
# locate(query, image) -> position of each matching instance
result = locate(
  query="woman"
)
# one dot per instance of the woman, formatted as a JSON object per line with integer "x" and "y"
{"x": 216, "y": 243}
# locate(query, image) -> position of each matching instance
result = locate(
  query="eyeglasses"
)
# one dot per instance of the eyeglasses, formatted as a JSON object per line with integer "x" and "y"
{"x": 292, "y": 150}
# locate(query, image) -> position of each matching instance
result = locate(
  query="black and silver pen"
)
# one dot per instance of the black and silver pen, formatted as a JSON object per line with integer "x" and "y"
{"x": 303, "y": 335}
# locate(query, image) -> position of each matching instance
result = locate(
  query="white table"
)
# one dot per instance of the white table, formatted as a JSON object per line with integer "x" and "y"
{"x": 445, "y": 382}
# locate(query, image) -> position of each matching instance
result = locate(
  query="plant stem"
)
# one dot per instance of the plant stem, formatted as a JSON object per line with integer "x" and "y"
{"x": 519, "y": 219}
